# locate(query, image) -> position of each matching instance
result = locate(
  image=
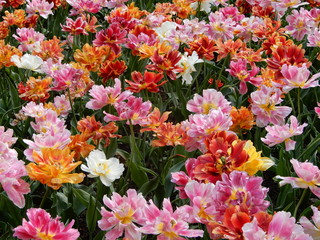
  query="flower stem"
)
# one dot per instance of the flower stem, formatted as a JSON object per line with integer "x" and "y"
{"x": 299, "y": 203}
{"x": 169, "y": 90}
{"x": 44, "y": 197}
{"x": 292, "y": 105}
{"x": 72, "y": 109}
{"x": 223, "y": 67}
{"x": 299, "y": 104}
{"x": 112, "y": 188}
{"x": 300, "y": 149}
{"x": 131, "y": 129}
{"x": 132, "y": 141}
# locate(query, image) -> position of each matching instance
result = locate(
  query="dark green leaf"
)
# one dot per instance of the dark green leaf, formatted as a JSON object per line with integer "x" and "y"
{"x": 168, "y": 185}
{"x": 61, "y": 203}
{"x": 9, "y": 212}
{"x": 82, "y": 196}
{"x": 112, "y": 148}
{"x": 149, "y": 186}
{"x": 92, "y": 215}
{"x": 99, "y": 236}
{"x": 138, "y": 176}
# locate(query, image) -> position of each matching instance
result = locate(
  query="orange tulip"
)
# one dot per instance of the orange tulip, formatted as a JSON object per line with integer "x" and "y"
{"x": 53, "y": 167}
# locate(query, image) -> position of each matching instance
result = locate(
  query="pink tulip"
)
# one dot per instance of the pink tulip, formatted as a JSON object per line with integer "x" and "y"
{"x": 308, "y": 177}
{"x": 277, "y": 134}
{"x": 125, "y": 215}
{"x": 42, "y": 226}
{"x": 211, "y": 99}
{"x": 102, "y": 96}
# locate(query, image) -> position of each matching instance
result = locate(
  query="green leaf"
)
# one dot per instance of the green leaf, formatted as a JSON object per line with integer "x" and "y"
{"x": 137, "y": 174}
{"x": 284, "y": 165}
{"x": 9, "y": 212}
{"x": 34, "y": 186}
{"x": 7, "y": 236}
{"x": 92, "y": 215}
{"x": 286, "y": 209}
{"x": 99, "y": 236}
{"x": 168, "y": 185}
{"x": 82, "y": 196}
{"x": 307, "y": 212}
{"x": 270, "y": 208}
{"x": 309, "y": 150}
{"x": 285, "y": 197}
{"x": 112, "y": 148}
{"x": 14, "y": 96}
{"x": 136, "y": 156}
{"x": 149, "y": 186}
{"x": 60, "y": 202}
{"x": 5, "y": 230}
{"x": 147, "y": 170}
{"x": 77, "y": 206}
{"x": 125, "y": 155}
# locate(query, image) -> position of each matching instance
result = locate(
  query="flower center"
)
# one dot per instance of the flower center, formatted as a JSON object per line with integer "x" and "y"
{"x": 102, "y": 169}
{"x": 125, "y": 218}
{"x": 167, "y": 232}
{"x": 218, "y": 27}
{"x": 207, "y": 107}
{"x": 45, "y": 236}
{"x": 268, "y": 107}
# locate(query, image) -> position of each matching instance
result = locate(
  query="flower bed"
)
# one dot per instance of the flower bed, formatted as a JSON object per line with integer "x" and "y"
{"x": 179, "y": 119}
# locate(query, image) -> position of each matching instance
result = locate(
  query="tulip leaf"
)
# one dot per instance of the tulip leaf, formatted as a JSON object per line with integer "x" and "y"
{"x": 149, "y": 186}
{"x": 138, "y": 175}
{"x": 92, "y": 215}
{"x": 82, "y": 196}
{"x": 9, "y": 212}
{"x": 60, "y": 201}
{"x": 168, "y": 185}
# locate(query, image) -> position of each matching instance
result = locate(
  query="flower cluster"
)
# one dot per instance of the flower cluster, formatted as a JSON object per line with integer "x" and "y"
{"x": 12, "y": 169}
{"x": 226, "y": 153}
{"x": 200, "y": 106}
{"x": 129, "y": 212}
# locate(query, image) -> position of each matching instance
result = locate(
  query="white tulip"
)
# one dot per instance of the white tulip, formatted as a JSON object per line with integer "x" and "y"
{"x": 99, "y": 166}
{"x": 28, "y": 61}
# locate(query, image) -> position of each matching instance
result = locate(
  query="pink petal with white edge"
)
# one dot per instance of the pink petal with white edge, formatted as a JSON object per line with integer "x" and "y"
{"x": 315, "y": 190}
{"x": 283, "y": 226}
{"x": 294, "y": 182}
{"x": 316, "y": 216}
{"x": 305, "y": 170}
{"x": 290, "y": 144}
{"x": 309, "y": 228}
{"x": 312, "y": 81}
{"x": 251, "y": 231}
